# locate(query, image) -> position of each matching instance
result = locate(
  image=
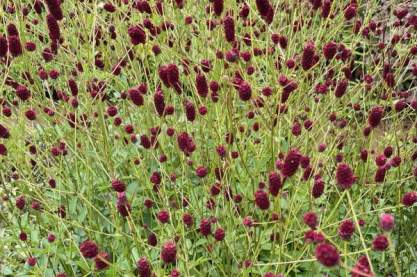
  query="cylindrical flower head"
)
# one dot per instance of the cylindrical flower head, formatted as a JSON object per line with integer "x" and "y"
{"x": 375, "y": 116}
{"x": 218, "y": 7}
{"x": 201, "y": 85}
{"x": 53, "y": 27}
{"x": 54, "y": 7}
{"x": 3, "y": 46}
{"x": 15, "y": 47}
{"x": 229, "y": 28}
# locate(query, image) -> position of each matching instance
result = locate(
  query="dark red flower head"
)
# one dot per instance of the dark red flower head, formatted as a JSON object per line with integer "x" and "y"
{"x": 89, "y": 249}
{"x": 137, "y": 35}
{"x": 327, "y": 254}
{"x": 54, "y": 7}
{"x": 201, "y": 85}
{"x": 136, "y": 96}
{"x": 102, "y": 260}
{"x": 144, "y": 267}
{"x": 309, "y": 59}
{"x": 375, "y": 116}
{"x": 275, "y": 183}
{"x": 346, "y": 229}
{"x": 15, "y": 47}
{"x": 409, "y": 198}
{"x": 4, "y": 132}
{"x": 229, "y": 28}
{"x": 245, "y": 91}
{"x": 205, "y": 227}
{"x": 344, "y": 176}
{"x": 169, "y": 252}
{"x": 218, "y": 7}
{"x": 310, "y": 219}
{"x": 219, "y": 234}
{"x": 380, "y": 243}
{"x": 262, "y": 200}
{"x": 291, "y": 163}
{"x": 53, "y": 27}
{"x": 330, "y": 50}
{"x": 3, "y": 46}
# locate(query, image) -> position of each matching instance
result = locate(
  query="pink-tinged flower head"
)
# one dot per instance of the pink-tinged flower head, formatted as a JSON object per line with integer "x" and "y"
{"x": 375, "y": 116}
{"x": 409, "y": 198}
{"x": 380, "y": 243}
{"x": 163, "y": 216}
{"x": 169, "y": 252}
{"x": 344, "y": 176}
{"x": 170, "y": 76}
{"x": 327, "y": 254}
{"x": 122, "y": 204}
{"x": 386, "y": 222}
{"x": 291, "y": 163}
{"x": 263, "y": 7}
{"x": 262, "y": 200}
{"x": 362, "y": 268}
{"x": 201, "y": 171}
{"x": 346, "y": 229}
{"x": 144, "y": 267}
{"x": 118, "y": 185}
{"x": 88, "y": 249}
{"x": 32, "y": 261}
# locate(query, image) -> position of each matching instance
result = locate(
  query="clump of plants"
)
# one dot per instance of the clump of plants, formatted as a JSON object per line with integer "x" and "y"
{"x": 208, "y": 138}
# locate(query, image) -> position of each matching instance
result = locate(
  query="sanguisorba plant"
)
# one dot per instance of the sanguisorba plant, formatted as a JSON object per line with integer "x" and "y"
{"x": 208, "y": 138}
